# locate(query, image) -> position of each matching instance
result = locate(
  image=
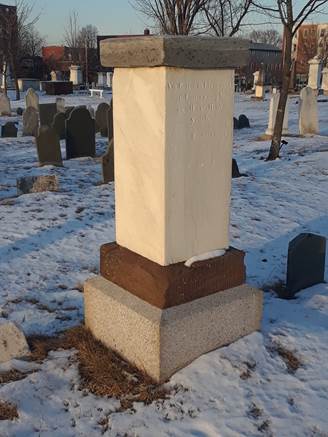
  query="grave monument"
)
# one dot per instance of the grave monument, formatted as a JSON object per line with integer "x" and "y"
{"x": 171, "y": 288}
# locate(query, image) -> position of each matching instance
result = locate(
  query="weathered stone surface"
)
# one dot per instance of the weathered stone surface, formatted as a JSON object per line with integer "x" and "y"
{"x": 172, "y": 285}
{"x": 60, "y": 103}
{"x": 30, "y": 122}
{"x": 58, "y": 125}
{"x": 32, "y": 99}
{"x": 108, "y": 164}
{"x": 80, "y": 134}
{"x": 13, "y": 343}
{"x": 102, "y": 118}
{"x": 37, "y": 184}
{"x": 5, "y": 108}
{"x": 306, "y": 263}
{"x": 160, "y": 342}
{"x": 9, "y": 130}
{"x": 47, "y": 113}
{"x": 243, "y": 122}
{"x": 273, "y": 114}
{"x": 308, "y": 112}
{"x": 175, "y": 51}
{"x": 48, "y": 147}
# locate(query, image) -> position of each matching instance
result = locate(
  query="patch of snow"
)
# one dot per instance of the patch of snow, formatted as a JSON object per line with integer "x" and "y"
{"x": 205, "y": 256}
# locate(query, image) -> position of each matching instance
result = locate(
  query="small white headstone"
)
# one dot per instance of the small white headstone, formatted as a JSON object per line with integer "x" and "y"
{"x": 315, "y": 67}
{"x": 324, "y": 83}
{"x": 259, "y": 91}
{"x": 308, "y": 112}
{"x": 273, "y": 114}
{"x": 32, "y": 99}
{"x": 60, "y": 102}
{"x": 13, "y": 343}
{"x": 5, "y": 108}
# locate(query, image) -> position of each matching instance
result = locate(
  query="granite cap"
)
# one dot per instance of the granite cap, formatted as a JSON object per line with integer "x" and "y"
{"x": 193, "y": 52}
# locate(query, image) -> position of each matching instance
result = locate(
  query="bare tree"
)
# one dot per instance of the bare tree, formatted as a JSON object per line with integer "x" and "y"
{"x": 32, "y": 42}
{"x": 225, "y": 17}
{"x": 16, "y": 23}
{"x": 72, "y": 35}
{"x": 292, "y": 14}
{"x": 175, "y": 17}
{"x": 268, "y": 36}
{"x": 88, "y": 37}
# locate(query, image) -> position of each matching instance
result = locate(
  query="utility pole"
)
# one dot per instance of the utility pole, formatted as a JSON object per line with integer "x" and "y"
{"x": 86, "y": 66}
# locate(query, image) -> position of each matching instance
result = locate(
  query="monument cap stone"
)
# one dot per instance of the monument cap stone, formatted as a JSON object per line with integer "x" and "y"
{"x": 175, "y": 51}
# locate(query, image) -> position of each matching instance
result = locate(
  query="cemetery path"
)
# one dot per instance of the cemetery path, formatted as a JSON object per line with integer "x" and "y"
{"x": 273, "y": 383}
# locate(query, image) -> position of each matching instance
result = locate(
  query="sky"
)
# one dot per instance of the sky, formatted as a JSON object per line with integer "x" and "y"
{"x": 110, "y": 16}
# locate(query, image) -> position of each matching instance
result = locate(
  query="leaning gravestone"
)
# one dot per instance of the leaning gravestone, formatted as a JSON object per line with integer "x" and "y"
{"x": 101, "y": 118}
{"x": 32, "y": 99}
{"x": 306, "y": 263}
{"x": 30, "y": 122}
{"x": 108, "y": 164}
{"x": 60, "y": 103}
{"x": 9, "y": 130}
{"x": 5, "y": 108}
{"x": 80, "y": 134}
{"x": 58, "y": 125}
{"x": 48, "y": 147}
{"x": 308, "y": 112}
{"x": 47, "y": 113}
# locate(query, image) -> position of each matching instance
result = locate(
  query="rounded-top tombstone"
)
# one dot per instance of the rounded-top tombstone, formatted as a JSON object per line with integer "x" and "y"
{"x": 80, "y": 134}
{"x": 102, "y": 118}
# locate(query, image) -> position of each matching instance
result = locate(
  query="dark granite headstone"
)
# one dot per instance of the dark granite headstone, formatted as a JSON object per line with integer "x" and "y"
{"x": 235, "y": 170}
{"x": 306, "y": 263}
{"x": 235, "y": 123}
{"x": 243, "y": 122}
{"x": 9, "y": 130}
{"x": 47, "y": 113}
{"x": 108, "y": 164}
{"x": 58, "y": 125}
{"x": 48, "y": 147}
{"x": 19, "y": 111}
{"x": 80, "y": 134}
{"x": 101, "y": 119}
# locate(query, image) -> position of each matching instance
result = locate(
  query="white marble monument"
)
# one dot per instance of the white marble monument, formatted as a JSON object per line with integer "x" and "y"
{"x": 76, "y": 75}
{"x": 324, "y": 83}
{"x": 308, "y": 112}
{"x": 173, "y": 159}
{"x": 315, "y": 69}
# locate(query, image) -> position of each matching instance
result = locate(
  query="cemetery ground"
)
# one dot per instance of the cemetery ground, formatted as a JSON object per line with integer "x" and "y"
{"x": 273, "y": 383}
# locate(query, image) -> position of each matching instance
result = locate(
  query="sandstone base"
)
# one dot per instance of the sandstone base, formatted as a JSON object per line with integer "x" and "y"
{"x": 162, "y": 341}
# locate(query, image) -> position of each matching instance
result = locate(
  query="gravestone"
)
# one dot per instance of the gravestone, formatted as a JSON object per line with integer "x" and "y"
{"x": 108, "y": 164}
{"x": 102, "y": 119}
{"x": 9, "y": 130}
{"x": 60, "y": 103}
{"x": 58, "y": 125}
{"x": 37, "y": 184}
{"x": 308, "y": 112}
{"x": 315, "y": 70}
{"x": 48, "y": 147}
{"x": 324, "y": 83}
{"x": 5, "y": 108}
{"x": 47, "y": 113}
{"x": 13, "y": 343}
{"x": 32, "y": 99}
{"x": 30, "y": 122}
{"x": 235, "y": 170}
{"x": 171, "y": 288}
{"x": 306, "y": 263}
{"x": 68, "y": 111}
{"x": 273, "y": 114}
{"x": 19, "y": 111}
{"x": 80, "y": 134}
{"x": 235, "y": 123}
{"x": 243, "y": 122}
{"x": 92, "y": 111}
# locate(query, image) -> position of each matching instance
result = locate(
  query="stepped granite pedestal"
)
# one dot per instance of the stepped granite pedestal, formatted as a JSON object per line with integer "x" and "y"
{"x": 173, "y": 151}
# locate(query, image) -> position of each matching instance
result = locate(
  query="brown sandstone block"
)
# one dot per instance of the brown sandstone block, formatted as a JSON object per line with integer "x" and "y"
{"x": 176, "y": 284}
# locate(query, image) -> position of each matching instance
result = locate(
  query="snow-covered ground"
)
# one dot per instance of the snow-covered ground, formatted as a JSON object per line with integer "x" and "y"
{"x": 49, "y": 244}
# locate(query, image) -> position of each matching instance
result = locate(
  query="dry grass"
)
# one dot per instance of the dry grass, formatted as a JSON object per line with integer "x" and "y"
{"x": 290, "y": 359}
{"x": 8, "y": 411}
{"x": 102, "y": 371}
{"x": 12, "y": 376}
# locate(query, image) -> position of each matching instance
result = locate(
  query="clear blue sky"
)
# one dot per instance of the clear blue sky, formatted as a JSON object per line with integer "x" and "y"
{"x": 110, "y": 16}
